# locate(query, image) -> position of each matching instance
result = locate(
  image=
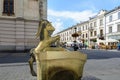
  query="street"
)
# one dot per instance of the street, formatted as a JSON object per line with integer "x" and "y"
{"x": 101, "y": 65}
{"x": 98, "y": 53}
{"x": 101, "y": 54}
{"x": 14, "y": 57}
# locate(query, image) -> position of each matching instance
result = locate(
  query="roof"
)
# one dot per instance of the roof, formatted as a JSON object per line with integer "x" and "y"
{"x": 116, "y": 8}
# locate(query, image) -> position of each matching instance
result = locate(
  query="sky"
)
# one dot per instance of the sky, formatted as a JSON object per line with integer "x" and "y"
{"x": 67, "y": 13}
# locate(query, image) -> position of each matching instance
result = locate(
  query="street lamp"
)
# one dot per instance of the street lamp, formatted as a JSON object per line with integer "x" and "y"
{"x": 75, "y": 35}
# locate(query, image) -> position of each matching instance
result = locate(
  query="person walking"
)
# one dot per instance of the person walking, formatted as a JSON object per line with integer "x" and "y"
{"x": 80, "y": 45}
{"x": 75, "y": 47}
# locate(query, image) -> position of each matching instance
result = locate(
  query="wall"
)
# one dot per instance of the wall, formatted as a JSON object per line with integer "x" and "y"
{"x": 17, "y": 34}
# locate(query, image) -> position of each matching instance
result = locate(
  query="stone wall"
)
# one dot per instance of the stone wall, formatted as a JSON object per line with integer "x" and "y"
{"x": 17, "y": 34}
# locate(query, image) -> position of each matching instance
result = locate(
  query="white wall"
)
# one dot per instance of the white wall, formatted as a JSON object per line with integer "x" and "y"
{"x": 113, "y": 23}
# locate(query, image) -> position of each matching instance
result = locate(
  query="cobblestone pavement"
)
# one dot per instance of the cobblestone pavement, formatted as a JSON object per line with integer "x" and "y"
{"x": 13, "y": 57}
{"x": 14, "y": 66}
{"x": 20, "y": 71}
{"x": 15, "y": 71}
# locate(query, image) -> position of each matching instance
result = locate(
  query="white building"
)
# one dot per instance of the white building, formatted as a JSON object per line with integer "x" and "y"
{"x": 89, "y": 31}
{"x": 97, "y": 27}
{"x": 19, "y": 22}
{"x": 102, "y": 27}
{"x": 113, "y": 24}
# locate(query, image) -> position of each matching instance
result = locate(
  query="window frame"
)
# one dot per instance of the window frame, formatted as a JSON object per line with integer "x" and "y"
{"x": 110, "y": 18}
{"x": 95, "y": 24}
{"x": 110, "y": 29}
{"x": 8, "y": 9}
{"x": 118, "y": 27}
{"x": 101, "y": 22}
{"x": 91, "y": 34}
{"x": 95, "y": 33}
{"x": 101, "y": 32}
{"x": 118, "y": 15}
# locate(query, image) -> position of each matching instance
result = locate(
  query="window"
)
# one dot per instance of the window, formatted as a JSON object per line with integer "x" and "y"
{"x": 101, "y": 32}
{"x": 118, "y": 28}
{"x": 95, "y": 33}
{"x": 86, "y": 35}
{"x": 79, "y": 28}
{"x": 110, "y": 29}
{"x": 90, "y": 24}
{"x": 86, "y": 27}
{"x": 95, "y": 24}
{"x": 101, "y": 22}
{"x": 8, "y": 7}
{"x": 91, "y": 34}
{"x": 118, "y": 15}
{"x": 83, "y": 35}
{"x": 110, "y": 18}
{"x": 83, "y": 28}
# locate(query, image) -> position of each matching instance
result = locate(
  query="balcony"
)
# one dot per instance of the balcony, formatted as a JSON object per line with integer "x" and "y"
{"x": 101, "y": 36}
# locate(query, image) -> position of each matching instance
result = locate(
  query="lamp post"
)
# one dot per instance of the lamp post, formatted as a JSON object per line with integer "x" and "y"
{"x": 75, "y": 35}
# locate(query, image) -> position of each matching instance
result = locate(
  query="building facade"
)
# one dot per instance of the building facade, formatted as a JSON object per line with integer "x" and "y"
{"x": 105, "y": 25}
{"x": 19, "y": 21}
{"x": 113, "y": 24}
{"x": 97, "y": 27}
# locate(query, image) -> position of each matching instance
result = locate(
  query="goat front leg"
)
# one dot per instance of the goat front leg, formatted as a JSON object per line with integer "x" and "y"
{"x": 54, "y": 39}
{"x": 31, "y": 60}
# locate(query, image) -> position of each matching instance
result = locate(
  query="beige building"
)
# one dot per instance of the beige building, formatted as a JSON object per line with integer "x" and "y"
{"x": 97, "y": 27}
{"x": 19, "y": 22}
{"x": 89, "y": 31}
{"x": 82, "y": 29}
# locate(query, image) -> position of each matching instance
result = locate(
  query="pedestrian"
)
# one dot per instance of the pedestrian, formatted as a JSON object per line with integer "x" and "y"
{"x": 80, "y": 45}
{"x": 75, "y": 47}
{"x": 85, "y": 46}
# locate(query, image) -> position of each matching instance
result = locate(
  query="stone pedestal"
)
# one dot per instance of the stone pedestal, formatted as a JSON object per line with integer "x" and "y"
{"x": 60, "y": 65}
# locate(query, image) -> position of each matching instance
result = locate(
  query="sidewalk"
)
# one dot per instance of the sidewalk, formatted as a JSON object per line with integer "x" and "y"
{"x": 94, "y": 49}
{"x": 15, "y": 71}
{"x": 20, "y": 71}
{"x": 105, "y": 69}
{"x": 95, "y": 69}
{"x": 115, "y": 50}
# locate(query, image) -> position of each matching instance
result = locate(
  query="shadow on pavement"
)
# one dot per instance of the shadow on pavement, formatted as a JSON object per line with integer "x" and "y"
{"x": 14, "y": 56}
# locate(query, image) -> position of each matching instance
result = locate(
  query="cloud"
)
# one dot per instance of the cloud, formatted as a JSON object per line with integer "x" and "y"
{"x": 58, "y": 24}
{"x": 75, "y": 15}
{"x": 62, "y": 17}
